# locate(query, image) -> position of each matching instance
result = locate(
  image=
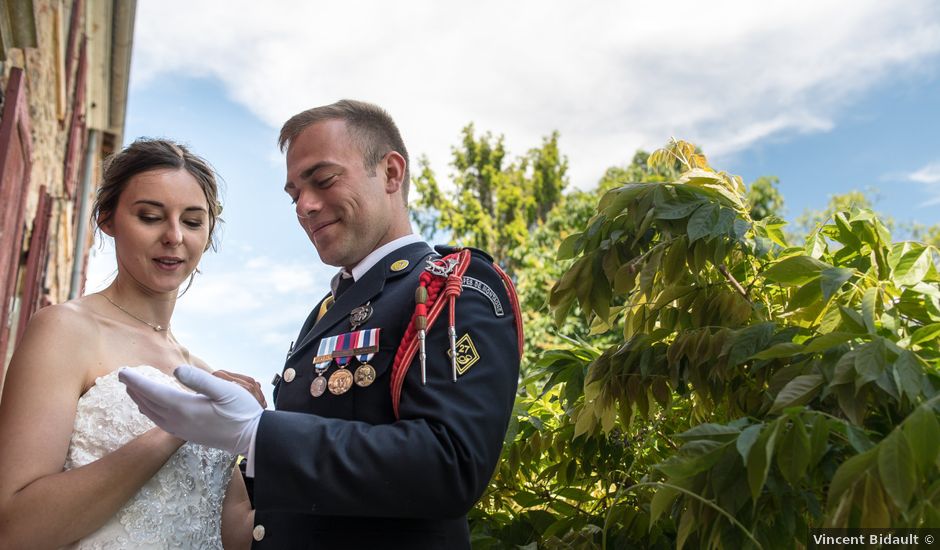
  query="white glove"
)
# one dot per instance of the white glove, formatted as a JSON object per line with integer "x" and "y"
{"x": 220, "y": 414}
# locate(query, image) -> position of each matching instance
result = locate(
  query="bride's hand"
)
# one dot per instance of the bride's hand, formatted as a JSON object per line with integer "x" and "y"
{"x": 247, "y": 382}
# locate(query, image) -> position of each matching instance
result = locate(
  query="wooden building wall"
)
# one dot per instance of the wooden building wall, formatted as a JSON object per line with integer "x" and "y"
{"x": 62, "y": 80}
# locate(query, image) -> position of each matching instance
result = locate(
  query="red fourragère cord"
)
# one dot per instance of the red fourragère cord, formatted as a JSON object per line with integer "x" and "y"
{"x": 430, "y": 288}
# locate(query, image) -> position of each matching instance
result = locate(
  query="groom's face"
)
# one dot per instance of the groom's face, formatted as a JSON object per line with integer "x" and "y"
{"x": 344, "y": 207}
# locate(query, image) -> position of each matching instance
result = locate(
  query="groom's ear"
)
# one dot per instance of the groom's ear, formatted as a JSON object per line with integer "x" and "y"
{"x": 394, "y": 167}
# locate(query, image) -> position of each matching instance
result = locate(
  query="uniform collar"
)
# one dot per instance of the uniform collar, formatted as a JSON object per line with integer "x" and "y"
{"x": 373, "y": 258}
{"x": 393, "y": 265}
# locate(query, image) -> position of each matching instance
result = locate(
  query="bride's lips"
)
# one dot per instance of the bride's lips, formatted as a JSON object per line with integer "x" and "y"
{"x": 168, "y": 263}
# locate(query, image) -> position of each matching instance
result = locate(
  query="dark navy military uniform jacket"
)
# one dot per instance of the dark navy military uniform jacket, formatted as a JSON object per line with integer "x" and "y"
{"x": 339, "y": 471}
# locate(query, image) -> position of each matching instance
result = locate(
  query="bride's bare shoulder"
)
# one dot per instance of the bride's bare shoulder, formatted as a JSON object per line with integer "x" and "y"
{"x": 79, "y": 318}
{"x": 61, "y": 342}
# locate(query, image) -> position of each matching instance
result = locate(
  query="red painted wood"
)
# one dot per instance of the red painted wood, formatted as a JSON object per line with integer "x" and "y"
{"x": 76, "y": 142}
{"x": 15, "y": 165}
{"x": 75, "y": 30}
{"x": 36, "y": 261}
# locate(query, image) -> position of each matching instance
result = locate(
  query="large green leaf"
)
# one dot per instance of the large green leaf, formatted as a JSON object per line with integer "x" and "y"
{"x": 896, "y": 467}
{"x": 794, "y": 453}
{"x": 874, "y": 511}
{"x": 869, "y": 308}
{"x": 746, "y": 440}
{"x": 912, "y": 266}
{"x": 795, "y": 270}
{"x": 758, "y": 460}
{"x": 928, "y": 333}
{"x": 785, "y": 349}
{"x": 693, "y": 457}
{"x": 827, "y": 341}
{"x": 773, "y": 228}
{"x": 908, "y": 374}
{"x": 922, "y": 431}
{"x": 870, "y": 362}
{"x": 848, "y": 473}
{"x": 819, "y": 439}
{"x": 715, "y": 432}
{"x": 675, "y": 210}
{"x": 674, "y": 262}
{"x": 702, "y": 222}
{"x": 799, "y": 391}
{"x": 833, "y": 278}
{"x": 569, "y": 247}
{"x": 661, "y": 501}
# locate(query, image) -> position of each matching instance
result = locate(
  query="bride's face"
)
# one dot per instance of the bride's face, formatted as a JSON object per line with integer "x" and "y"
{"x": 160, "y": 229}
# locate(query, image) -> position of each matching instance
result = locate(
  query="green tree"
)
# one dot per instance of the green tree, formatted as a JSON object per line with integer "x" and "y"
{"x": 809, "y": 373}
{"x": 810, "y": 219}
{"x": 692, "y": 378}
{"x": 495, "y": 203}
{"x": 764, "y": 198}
{"x": 867, "y": 199}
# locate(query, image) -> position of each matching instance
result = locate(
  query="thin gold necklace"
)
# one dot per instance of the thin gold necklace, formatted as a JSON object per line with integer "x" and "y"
{"x": 157, "y": 328}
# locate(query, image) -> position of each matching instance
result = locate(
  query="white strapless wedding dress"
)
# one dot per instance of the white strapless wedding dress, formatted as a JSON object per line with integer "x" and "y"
{"x": 181, "y": 506}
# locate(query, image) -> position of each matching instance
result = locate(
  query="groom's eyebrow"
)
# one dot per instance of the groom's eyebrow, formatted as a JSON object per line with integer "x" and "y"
{"x": 306, "y": 174}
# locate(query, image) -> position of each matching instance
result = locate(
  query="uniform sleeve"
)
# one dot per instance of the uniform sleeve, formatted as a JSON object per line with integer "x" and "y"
{"x": 434, "y": 462}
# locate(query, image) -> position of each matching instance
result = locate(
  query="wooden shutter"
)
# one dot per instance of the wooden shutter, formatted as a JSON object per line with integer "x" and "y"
{"x": 15, "y": 165}
{"x": 75, "y": 146}
{"x": 36, "y": 261}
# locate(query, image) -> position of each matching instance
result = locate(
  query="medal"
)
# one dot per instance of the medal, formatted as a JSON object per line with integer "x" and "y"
{"x": 367, "y": 344}
{"x": 340, "y": 381}
{"x": 360, "y": 315}
{"x": 318, "y": 386}
{"x": 321, "y": 362}
{"x": 364, "y": 375}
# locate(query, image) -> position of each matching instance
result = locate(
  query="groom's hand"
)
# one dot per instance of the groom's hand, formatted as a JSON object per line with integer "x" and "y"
{"x": 244, "y": 381}
{"x": 220, "y": 414}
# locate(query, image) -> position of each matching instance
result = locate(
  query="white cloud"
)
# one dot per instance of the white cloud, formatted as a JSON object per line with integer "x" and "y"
{"x": 928, "y": 174}
{"x": 929, "y": 177}
{"x": 101, "y": 270}
{"x": 259, "y": 285}
{"x": 611, "y": 76}
{"x": 257, "y": 293}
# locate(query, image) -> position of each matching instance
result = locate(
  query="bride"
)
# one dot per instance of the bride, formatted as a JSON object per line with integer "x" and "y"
{"x": 79, "y": 465}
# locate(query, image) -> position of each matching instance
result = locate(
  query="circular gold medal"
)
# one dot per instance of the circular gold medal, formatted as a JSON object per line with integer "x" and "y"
{"x": 318, "y": 386}
{"x": 365, "y": 375}
{"x": 340, "y": 381}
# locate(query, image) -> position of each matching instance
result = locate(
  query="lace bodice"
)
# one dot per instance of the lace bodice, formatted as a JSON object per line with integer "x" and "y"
{"x": 181, "y": 506}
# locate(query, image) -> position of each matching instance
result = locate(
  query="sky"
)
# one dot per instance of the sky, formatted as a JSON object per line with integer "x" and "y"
{"x": 828, "y": 96}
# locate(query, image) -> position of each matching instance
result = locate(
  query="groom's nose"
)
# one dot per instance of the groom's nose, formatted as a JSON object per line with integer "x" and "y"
{"x": 308, "y": 204}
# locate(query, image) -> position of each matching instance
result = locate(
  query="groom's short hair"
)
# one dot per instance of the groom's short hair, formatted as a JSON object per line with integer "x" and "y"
{"x": 369, "y": 125}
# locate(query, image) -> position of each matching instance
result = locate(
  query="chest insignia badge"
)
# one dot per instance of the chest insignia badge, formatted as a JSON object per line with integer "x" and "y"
{"x": 360, "y": 315}
{"x": 399, "y": 265}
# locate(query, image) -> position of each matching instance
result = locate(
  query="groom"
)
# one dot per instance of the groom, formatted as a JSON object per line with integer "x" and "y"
{"x": 367, "y": 447}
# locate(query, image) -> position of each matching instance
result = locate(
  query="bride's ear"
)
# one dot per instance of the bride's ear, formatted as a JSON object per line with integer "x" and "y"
{"x": 105, "y": 223}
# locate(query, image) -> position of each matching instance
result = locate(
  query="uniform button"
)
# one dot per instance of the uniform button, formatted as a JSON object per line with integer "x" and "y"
{"x": 258, "y": 532}
{"x": 289, "y": 375}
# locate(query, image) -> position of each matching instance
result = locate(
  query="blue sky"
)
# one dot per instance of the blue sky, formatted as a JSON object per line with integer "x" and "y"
{"x": 828, "y": 100}
{"x": 877, "y": 143}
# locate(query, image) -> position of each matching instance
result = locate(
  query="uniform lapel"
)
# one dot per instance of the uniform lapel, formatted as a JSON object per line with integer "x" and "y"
{"x": 366, "y": 288}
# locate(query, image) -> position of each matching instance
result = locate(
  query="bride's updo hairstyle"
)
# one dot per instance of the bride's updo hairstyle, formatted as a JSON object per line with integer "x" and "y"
{"x": 145, "y": 155}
